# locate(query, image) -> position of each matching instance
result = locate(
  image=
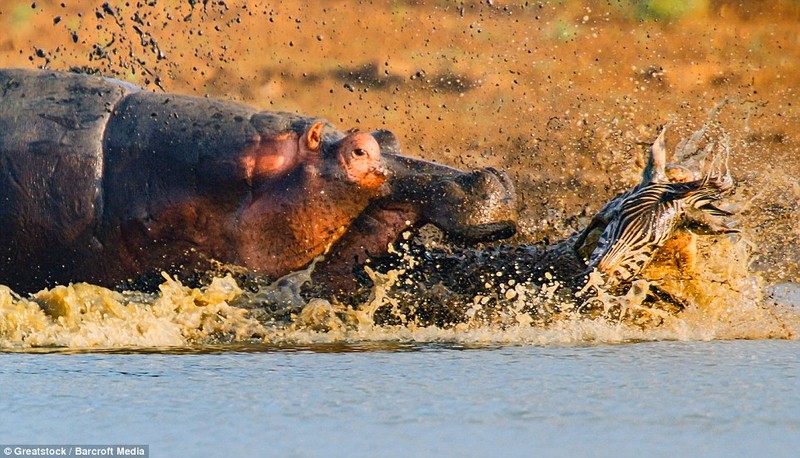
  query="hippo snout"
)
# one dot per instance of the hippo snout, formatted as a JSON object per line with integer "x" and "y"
{"x": 480, "y": 205}
{"x": 470, "y": 206}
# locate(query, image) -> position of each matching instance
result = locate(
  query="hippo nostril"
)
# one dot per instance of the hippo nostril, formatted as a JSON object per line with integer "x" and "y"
{"x": 507, "y": 183}
{"x": 479, "y": 177}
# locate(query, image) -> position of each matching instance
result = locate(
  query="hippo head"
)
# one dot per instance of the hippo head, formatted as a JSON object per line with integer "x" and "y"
{"x": 357, "y": 159}
{"x": 469, "y": 206}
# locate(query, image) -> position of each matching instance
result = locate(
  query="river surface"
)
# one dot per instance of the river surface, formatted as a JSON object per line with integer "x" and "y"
{"x": 720, "y": 398}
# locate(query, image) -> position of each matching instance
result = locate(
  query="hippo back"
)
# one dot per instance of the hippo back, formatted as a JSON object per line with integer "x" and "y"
{"x": 185, "y": 142}
{"x": 51, "y": 129}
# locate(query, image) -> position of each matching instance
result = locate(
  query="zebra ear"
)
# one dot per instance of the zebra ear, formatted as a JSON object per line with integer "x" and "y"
{"x": 654, "y": 171}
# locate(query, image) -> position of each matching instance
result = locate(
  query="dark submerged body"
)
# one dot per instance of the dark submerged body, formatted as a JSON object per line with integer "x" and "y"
{"x": 103, "y": 182}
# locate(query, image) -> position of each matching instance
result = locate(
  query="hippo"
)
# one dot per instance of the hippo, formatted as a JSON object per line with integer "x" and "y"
{"x": 103, "y": 181}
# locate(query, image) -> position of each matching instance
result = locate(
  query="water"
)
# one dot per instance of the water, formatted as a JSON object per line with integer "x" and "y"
{"x": 723, "y": 398}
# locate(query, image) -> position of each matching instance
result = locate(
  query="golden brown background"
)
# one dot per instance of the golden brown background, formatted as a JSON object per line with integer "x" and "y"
{"x": 561, "y": 94}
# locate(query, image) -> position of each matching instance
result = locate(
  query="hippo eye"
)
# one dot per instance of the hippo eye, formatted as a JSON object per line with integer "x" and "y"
{"x": 358, "y": 152}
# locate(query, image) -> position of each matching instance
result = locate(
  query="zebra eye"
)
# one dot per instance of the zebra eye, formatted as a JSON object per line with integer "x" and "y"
{"x": 358, "y": 152}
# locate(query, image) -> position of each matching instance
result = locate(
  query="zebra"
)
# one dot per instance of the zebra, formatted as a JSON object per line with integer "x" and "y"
{"x": 633, "y": 225}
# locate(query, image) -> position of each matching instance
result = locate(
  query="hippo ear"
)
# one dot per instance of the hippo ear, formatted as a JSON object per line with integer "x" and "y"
{"x": 314, "y": 136}
{"x": 387, "y": 140}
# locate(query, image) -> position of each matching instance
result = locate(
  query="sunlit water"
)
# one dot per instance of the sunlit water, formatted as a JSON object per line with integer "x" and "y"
{"x": 724, "y": 398}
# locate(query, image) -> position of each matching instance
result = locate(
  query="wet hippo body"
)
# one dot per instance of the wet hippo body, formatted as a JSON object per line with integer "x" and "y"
{"x": 103, "y": 181}
{"x": 208, "y": 199}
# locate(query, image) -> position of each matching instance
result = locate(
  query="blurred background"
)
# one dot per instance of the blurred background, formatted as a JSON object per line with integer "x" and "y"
{"x": 565, "y": 95}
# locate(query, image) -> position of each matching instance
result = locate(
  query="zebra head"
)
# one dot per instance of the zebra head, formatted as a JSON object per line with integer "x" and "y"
{"x": 640, "y": 220}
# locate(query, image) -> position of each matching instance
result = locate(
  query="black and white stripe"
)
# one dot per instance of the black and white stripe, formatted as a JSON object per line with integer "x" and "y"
{"x": 642, "y": 219}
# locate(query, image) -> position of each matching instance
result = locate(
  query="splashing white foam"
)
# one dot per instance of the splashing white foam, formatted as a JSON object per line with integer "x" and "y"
{"x": 709, "y": 276}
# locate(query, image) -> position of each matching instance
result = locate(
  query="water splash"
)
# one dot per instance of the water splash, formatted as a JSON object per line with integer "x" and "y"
{"x": 717, "y": 296}
{"x": 89, "y": 316}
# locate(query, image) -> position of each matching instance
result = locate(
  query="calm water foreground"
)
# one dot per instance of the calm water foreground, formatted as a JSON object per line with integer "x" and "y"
{"x": 720, "y": 398}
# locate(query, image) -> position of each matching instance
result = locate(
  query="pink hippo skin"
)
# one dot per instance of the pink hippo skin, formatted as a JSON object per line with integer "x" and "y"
{"x": 274, "y": 156}
{"x": 289, "y": 222}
